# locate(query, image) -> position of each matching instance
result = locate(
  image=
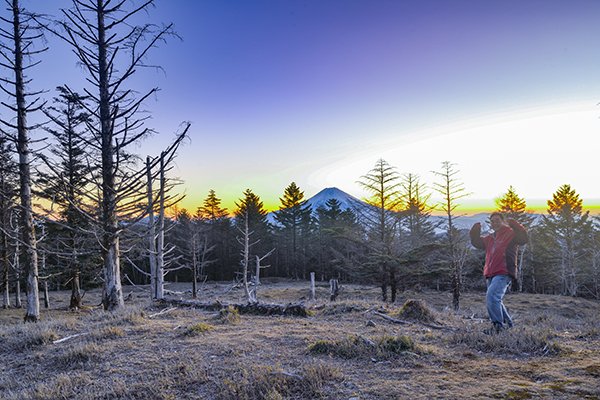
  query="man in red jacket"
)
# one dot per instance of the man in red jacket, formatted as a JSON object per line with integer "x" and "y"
{"x": 500, "y": 264}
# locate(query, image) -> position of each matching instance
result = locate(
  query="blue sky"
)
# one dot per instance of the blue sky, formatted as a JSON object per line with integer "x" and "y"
{"x": 316, "y": 91}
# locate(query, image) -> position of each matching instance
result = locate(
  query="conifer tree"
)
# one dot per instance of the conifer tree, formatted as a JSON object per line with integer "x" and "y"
{"x": 294, "y": 218}
{"x": 452, "y": 190}
{"x": 251, "y": 209}
{"x": 337, "y": 232}
{"x": 64, "y": 183}
{"x": 211, "y": 210}
{"x": 417, "y": 241}
{"x": 566, "y": 236}
{"x": 514, "y": 207}
{"x": 217, "y": 228}
{"x": 8, "y": 200}
{"x": 382, "y": 182}
{"x": 416, "y": 212}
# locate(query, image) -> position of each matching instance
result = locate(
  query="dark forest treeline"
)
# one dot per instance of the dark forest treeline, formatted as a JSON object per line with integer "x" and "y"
{"x": 395, "y": 246}
{"x": 390, "y": 241}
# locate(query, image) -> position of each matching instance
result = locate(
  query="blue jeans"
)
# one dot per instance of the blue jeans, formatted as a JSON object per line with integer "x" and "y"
{"x": 496, "y": 289}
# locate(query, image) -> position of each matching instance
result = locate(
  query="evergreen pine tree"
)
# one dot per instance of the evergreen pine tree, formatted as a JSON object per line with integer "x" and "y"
{"x": 452, "y": 189}
{"x": 337, "y": 231}
{"x": 9, "y": 187}
{"x": 252, "y": 208}
{"x": 416, "y": 212}
{"x": 64, "y": 183}
{"x": 382, "y": 182}
{"x": 417, "y": 230}
{"x": 566, "y": 236}
{"x": 217, "y": 227}
{"x": 211, "y": 209}
{"x": 514, "y": 207}
{"x": 294, "y": 218}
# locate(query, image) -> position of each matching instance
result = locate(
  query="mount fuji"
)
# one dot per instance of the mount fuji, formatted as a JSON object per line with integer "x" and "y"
{"x": 350, "y": 202}
{"x": 346, "y": 200}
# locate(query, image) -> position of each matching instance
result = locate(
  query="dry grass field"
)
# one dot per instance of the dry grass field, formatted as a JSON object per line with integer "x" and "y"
{"x": 342, "y": 350}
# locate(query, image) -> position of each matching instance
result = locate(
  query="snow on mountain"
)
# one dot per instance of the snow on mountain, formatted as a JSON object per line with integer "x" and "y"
{"x": 320, "y": 199}
{"x": 348, "y": 201}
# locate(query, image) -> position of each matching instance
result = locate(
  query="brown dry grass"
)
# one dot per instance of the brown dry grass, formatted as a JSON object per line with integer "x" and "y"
{"x": 553, "y": 352}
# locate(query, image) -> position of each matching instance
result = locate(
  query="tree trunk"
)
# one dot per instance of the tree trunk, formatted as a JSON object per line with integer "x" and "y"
{"x": 456, "y": 286}
{"x": 393, "y": 285}
{"x": 5, "y": 270}
{"x": 245, "y": 259}
{"x": 46, "y": 295}
{"x": 75, "y": 302}
{"x": 334, "y": 289}
{"x": 112, "y": 299}
{"x": 18, "y": 302}
{"x": 17, "y": 267}
{"x": 160, "y": 255}
{"x": 312, "y": 286}
{"x": 30, "y": 256}
{"x": 194, "y": 265}
{"x": 151, "y": 232}
{"x": 113, "y": 294}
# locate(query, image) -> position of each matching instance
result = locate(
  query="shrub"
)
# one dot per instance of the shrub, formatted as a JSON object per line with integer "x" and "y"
{"x": 78, "y": 356}
{"x": 516, "y": 341}
{"x": 396, "y": 344}
{"x": 27, "y": 336}
{"x": 361, "y": 347}
{"x": 198, "y": 329}
{"x": 270, "y": 383}
{"x": 109, "y": 332}
{"x": 229, "y": 315}
{"x": 415, "y": 310}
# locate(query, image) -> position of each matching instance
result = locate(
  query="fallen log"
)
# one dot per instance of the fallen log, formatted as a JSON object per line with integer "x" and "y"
{"x": 298, "y": 310}
{"x": 402, "y": 322}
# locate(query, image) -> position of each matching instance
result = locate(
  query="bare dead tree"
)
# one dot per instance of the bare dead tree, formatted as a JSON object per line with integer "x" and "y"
{"x": 259, "y": 267}
{"x": 159, "y": 279}
{"x": 246, "y": 243}
{"x": 245, "y": 253}
{"x": 151, "y": 229}
{"x": 111, "y": 50}
{"x": 200, "y": 259}
{"x": 20, "y": 34}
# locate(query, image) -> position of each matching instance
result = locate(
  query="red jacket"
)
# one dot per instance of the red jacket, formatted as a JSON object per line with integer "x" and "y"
{"x": 500, "y": 248}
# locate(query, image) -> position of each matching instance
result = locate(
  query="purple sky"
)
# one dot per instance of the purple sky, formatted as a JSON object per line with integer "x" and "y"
{"x": 316, "y": 91}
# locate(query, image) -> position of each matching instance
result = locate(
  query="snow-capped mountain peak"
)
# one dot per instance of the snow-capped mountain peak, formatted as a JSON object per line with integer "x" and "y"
{"x": 346, "y": 200}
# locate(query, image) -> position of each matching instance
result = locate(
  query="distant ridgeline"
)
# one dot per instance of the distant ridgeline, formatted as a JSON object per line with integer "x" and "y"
{"x": 349, "y": 202}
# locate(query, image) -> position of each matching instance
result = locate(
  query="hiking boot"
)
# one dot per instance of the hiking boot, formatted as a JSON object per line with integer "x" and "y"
{"x": 495, "y": 329}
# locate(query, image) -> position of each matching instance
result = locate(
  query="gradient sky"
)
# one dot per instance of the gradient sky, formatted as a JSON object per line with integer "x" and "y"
{"x": 316, "y": 91}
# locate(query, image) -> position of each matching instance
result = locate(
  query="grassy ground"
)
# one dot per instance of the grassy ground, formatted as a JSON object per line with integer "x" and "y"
{"x": 343, "y": 351}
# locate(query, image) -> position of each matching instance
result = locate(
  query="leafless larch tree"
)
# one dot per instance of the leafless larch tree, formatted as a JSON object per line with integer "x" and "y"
{"x": 111, "y": 49}
{"x": 19, "y": 36}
